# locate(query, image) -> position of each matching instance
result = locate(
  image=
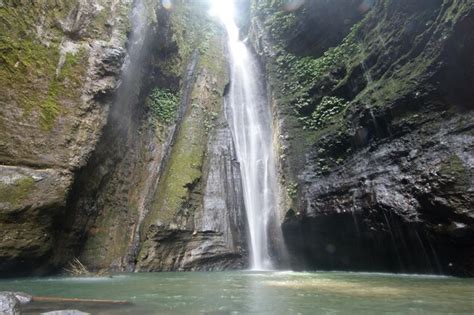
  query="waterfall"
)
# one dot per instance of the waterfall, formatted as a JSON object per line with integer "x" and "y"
{"x": 248, "y": 114}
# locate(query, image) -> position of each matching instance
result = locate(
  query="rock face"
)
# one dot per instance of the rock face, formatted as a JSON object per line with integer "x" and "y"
{"x": 60, "y": 62}
{"x": 213, "y": 236}
{"x": 8, "y": 304}
{"x": 196, "y": 216}
{"x": 121, "y": 178}
{"x": 376, "y": 134}
{"x": 31, "y": 200}
{"x": 154, "y": 183}
{"x": 182, "y": 250}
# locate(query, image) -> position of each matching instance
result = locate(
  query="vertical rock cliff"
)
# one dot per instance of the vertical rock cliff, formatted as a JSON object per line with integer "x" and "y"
{"x": 163, "y": 172}
{"x": 59, "y": 66}
{"x": 373, "y": 100}
{"x": 195, "y": 220}
{"x": 140, "y": 174}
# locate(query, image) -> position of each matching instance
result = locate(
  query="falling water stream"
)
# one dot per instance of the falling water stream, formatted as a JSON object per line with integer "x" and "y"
{"x": 249, "y": 117}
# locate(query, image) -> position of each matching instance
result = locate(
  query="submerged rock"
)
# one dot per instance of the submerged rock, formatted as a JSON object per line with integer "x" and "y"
{"x": 65, "y": 312}
{"x": 9, "y": 304}
{"x": 23, "y": 298}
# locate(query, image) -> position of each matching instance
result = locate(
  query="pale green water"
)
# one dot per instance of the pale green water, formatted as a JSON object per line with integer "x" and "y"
{"x": 262, "y": 293}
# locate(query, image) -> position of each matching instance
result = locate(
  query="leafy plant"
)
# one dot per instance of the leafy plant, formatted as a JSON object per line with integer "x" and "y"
{"x": 300, "y": 75}
{"x": 303, "y": 73}
{"x": 292, "y": 190}
{"x": 162, "y": 104}
{"x": 327, "y": 108}
{"x": 210, "y": 120}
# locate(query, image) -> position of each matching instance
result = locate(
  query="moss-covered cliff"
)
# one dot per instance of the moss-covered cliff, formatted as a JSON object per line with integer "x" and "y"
{"x": 374, "y": 106}
{"x": 58, "y": 69}
{"x": 100, "y": 173}
{"x": 138, "y": 201}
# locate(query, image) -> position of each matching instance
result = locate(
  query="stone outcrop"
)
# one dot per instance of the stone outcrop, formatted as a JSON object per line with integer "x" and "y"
{"x": 181, "y": 250}
{"x": 376, "y": 133}
{"x": 10, "y": 302}
{"x": 196, "y": 218}
{"x": 60, "y": 62}
{"x": 97, "y": 172}
{"x": 154, "y": 183}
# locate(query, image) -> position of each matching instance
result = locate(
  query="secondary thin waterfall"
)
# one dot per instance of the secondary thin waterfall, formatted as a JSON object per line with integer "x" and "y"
{"x": 249, "y": 117}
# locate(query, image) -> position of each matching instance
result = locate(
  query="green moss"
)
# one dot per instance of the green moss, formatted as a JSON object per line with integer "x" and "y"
{"x": 15, "y": 193}
{"x": 296, "y": 77}
{"x": 412, "y": 69}
{"x": 28, "y": 70}
{"x": 184, "y": 168}
{"x": 162, "y": 105}
{"x": 28, "y": 67}
{"x": 210, "y": 120}
{"x": 180, "y": 182}
{"x": 190, "y": 24}
{"x": 27, "y": 63}
{"x": 49, "y": 109}
{"x": 64, "y": 86}
{"x": 212, "y": 58}
{"x": 454, "y": 167}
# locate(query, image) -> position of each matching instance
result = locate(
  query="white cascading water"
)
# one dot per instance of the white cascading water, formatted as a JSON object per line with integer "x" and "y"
{"x": 249, "y": 117}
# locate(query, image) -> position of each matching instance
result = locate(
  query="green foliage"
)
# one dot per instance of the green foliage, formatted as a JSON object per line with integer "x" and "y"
{"x": 306, "y": 71}
{"x": 299, "y": 76}
{"x": 278, "y": 22}
{"x": 162, "y": 105}
{"x": 210, "y": 117}
{"x": 292, "y": 190}
{"x": 262, "y": 7}
{"x": 150, "y": 6}
{"x": 329, "y": 107}
{"x": 210, "y": 120}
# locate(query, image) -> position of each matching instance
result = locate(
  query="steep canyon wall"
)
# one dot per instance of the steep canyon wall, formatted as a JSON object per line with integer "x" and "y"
{"x": 115, "y": 148}
{"x": 132, "y": 174}
{"x": 373, "y": 100}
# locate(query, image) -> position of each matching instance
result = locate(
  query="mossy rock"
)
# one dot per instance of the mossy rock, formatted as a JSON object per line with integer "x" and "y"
{"x": 454, "y": 168}
{"x": 31, "y": 71}
{"x": 16, "y": 192}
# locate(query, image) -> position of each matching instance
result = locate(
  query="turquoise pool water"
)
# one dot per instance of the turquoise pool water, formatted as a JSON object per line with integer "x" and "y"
{"x": 257, "y": 293}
